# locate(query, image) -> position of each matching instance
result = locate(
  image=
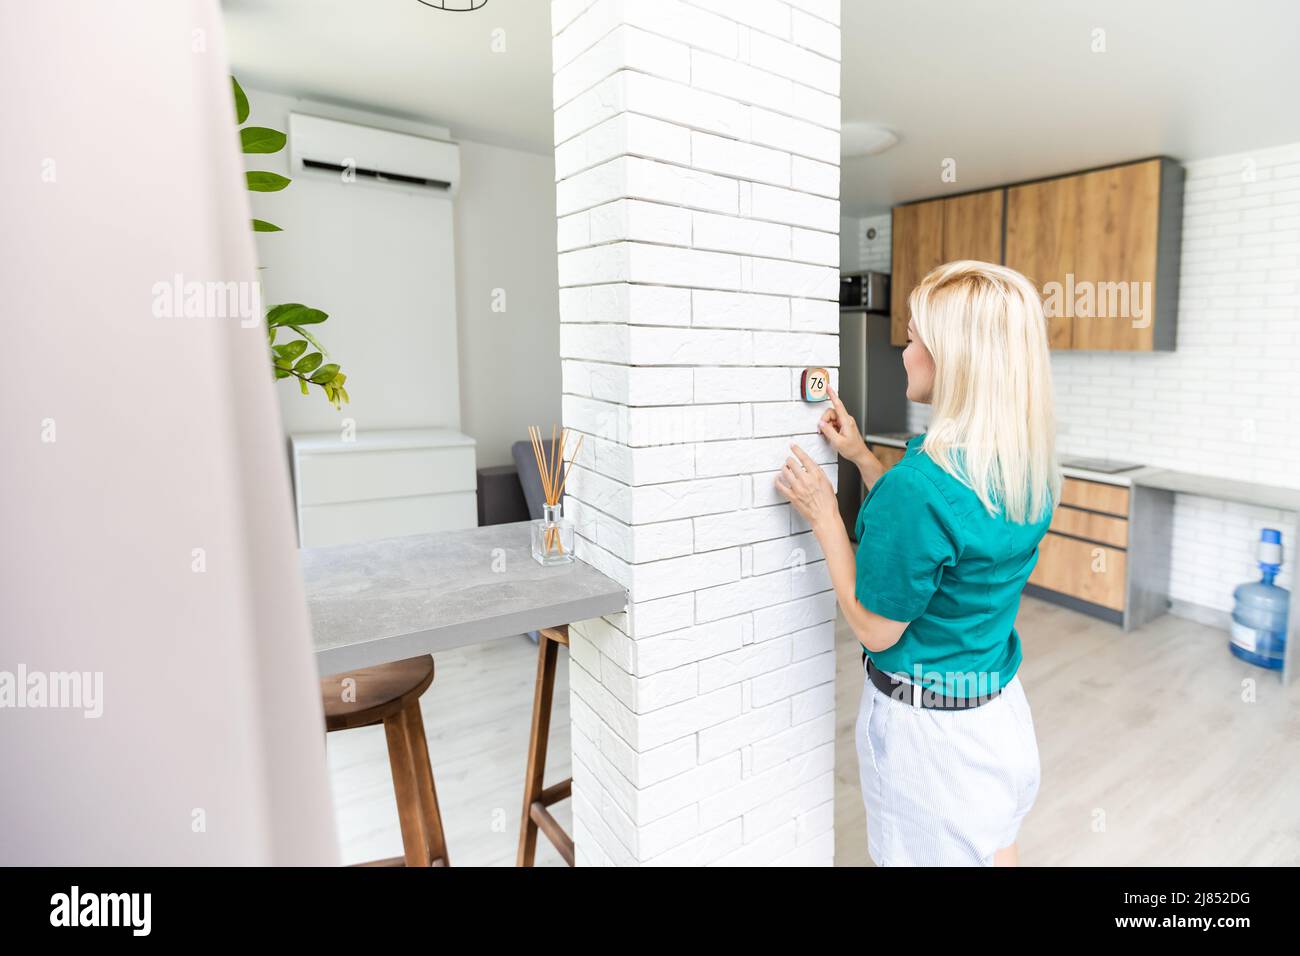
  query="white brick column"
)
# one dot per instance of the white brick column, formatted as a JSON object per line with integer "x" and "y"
{"x": 697, "y": 168}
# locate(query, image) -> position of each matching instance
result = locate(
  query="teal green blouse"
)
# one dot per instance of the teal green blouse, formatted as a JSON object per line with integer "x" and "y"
{"x": 929, "y": 553}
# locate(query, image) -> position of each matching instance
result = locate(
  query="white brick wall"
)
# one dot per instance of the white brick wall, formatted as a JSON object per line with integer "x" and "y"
{"x": 1227, "y": 401}
{"x": 697, "y": 148}
{"x": 875, "y": 242}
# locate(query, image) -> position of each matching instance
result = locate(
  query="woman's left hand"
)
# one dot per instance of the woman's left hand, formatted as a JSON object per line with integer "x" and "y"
{"x": 806, "y": 487}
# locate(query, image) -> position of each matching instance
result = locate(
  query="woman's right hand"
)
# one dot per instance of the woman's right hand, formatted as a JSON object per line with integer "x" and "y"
{"x": 841, "y": 431}
{"x": 842, "y": 434}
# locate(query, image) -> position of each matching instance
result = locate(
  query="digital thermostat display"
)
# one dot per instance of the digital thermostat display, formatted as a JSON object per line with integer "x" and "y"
{"x": 813, "y": 384}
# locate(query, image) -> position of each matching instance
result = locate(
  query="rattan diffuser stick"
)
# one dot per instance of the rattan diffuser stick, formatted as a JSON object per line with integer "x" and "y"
{"x": 554, "y": 472}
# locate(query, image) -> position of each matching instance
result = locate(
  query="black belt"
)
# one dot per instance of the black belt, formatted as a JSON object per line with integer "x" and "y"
{"x": 906, "y": 692}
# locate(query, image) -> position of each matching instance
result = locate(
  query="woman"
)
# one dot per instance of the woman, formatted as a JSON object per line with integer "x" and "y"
{"x": 947, "y": 538}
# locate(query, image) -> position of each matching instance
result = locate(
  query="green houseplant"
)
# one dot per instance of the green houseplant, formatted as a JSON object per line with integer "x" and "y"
{"x": 302, "y": 356}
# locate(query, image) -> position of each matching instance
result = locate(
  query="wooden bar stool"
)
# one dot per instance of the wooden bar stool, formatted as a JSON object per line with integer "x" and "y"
{"x": 537, "y": 796}
{"x": 390, "y": 694}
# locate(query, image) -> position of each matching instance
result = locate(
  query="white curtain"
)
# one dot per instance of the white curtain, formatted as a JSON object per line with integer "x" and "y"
{"x": 146, "y": 535}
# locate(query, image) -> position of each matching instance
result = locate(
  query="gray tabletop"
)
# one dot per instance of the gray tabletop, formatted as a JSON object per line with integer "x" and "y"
{"x": 394, "y": 598}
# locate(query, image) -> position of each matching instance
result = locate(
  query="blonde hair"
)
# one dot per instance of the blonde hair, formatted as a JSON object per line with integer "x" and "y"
{"x": 993, "y": 424}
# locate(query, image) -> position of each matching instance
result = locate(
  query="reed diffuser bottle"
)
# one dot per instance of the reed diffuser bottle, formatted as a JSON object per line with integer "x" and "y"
{"x": 552, "y": 536}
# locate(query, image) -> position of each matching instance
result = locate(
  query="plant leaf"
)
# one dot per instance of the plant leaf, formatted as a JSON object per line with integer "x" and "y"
{"x": 303, "y": 383}
{"x": 294, "y": 314}
{"x": 284, "y": 314}
{"x": 241, "y": 102}
{"x": 309, "y": 317}
{"x": 309, "y": 363}
{"x": 281, "y": 373}
{"x": 310, "y": 338}
{"x": 260, "y": 139}
{"x": 261, "y": 225}
{"x": 325, "y": 374}
{"x": 291, "y": 350}
{"x": 260, "y": 181}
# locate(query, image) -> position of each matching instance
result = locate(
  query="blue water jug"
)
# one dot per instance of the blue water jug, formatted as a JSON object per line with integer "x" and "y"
{"x": 1259, "y": 614}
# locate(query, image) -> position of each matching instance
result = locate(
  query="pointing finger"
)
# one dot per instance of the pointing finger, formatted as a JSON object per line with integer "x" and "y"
{"x": 835, "y": 400}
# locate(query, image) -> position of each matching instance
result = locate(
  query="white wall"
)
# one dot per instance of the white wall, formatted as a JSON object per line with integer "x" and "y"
{"x": 392, "y": 288}
{"x": 849, "y": 246}
{"x": 1226, "y": 401}
{"x": 870, "y": 245}
{"x": 505, "y": 255}
{"x": 379, "y": 259}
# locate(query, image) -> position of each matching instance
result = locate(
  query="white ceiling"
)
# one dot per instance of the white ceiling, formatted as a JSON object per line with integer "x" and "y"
{"x": 1010, "y": 89}
{"x": 404, "y": 58}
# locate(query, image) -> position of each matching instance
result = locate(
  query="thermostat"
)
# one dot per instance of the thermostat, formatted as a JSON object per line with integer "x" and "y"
{"x": 813, "y": 384}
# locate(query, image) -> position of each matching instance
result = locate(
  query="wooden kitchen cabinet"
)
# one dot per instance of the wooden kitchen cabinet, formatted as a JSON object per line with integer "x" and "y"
{"x": 1084, "y": 555}
{"x": 888, "y": 455}
{"x": 1095, "y": 496}
{"x": 928, "y": 234}
{"x": 1042, "y": 223}
{"x": 972, "y": 226}
{"x": 1085, "y": 570}
{"x": 1106, "y": 552}
{"x": 917, "y": 248}
{"x": 1118, "y": 232}
{"x": 1102, "y": 246}
{"x": 1105, "y": 529}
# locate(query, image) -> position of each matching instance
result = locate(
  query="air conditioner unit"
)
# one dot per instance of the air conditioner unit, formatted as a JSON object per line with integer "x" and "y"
{"x": 366, "y": 154}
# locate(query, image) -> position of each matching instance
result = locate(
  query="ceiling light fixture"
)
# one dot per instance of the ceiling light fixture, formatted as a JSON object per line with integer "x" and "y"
{"x": 458, "y": 6}
{"x": 864, "y": 139}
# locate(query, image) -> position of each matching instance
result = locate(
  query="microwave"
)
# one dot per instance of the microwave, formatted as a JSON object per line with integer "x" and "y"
{"x": 864, "y": 292}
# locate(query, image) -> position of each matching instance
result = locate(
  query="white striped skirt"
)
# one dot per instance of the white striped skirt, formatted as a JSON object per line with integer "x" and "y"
{"x": 945, "y": 787}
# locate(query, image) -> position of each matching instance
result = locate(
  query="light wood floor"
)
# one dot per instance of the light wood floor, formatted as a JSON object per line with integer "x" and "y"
{"x": 1149, "y": 754}
{"x": 476, "y": 717}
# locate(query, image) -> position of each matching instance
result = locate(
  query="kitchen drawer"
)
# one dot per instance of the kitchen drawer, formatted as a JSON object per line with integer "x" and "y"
{"x": 1095, "y": 496}
{"x": 344, "y": 523}
{"x": 370, "y": 474}
{"x": 1105, "y": 529}
{"x": 1084, "y": 570}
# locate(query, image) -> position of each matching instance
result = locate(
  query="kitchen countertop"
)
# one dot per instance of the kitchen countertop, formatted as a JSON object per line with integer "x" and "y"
{"x": 1124, "y": 478}
{"x": 1224, "y": 489}
{"x": 1167, "y": 479}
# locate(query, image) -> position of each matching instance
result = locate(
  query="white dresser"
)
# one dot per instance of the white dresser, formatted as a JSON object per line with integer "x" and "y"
{"x": 382, "y": 484}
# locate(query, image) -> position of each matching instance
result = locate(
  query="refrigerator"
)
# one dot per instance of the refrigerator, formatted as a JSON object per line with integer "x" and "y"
{"x": 873, "y": 384}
